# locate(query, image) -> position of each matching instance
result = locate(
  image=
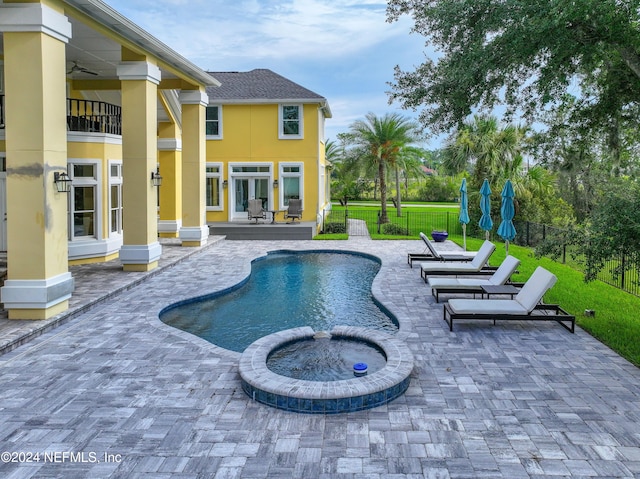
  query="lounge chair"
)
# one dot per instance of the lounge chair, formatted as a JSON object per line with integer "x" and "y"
{"x": 474, "y": 285}
{"x": 295, "y": 210}
{"x": 255, "y": 210}
{"x": 476, "y": 266}
{"x": 525, "y": 306}
{"x": 432, "y": 254}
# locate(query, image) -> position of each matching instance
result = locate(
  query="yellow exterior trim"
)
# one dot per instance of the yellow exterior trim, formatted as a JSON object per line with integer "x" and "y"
{"x": 39, "y": 314}
{"x": 100, "y": 259}
{"x": 140, "y": 268}
{"x": 192, "y": 244}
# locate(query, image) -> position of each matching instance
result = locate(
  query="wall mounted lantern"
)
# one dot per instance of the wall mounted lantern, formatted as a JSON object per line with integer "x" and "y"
{"x": 275, "y": 183}
{"x": 156, "y": 179}
{"x": 62, "y": 182}
{"x": 225, "y": 183}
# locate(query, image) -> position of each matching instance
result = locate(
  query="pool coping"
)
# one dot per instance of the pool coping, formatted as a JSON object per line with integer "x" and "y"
{"x": 348, "y": 395}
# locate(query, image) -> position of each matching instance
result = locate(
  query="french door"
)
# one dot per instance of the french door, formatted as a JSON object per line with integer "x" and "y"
{"x": 249, "y": 188}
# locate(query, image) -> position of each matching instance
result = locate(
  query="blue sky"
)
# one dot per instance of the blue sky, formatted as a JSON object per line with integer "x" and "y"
{"x": 343, "y": 50}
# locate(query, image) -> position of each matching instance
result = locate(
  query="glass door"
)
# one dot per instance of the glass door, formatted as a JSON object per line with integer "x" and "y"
{"x": 249, "y": 188}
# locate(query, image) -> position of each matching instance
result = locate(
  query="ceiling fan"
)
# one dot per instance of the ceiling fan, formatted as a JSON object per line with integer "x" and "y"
{"x": 75, "y": 68}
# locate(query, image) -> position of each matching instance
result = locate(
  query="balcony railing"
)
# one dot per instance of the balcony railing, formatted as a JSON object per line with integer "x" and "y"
{"x": 94, "y": 116}
{"x": 86, "y": 115}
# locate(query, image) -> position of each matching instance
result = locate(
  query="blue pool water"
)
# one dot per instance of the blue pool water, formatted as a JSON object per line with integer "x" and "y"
{"x": 287, "y": 290}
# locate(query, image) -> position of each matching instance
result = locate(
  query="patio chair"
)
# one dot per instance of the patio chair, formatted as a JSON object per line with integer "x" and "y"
{"x": 525, "y": 306}
{"x": 255, "y": 211}
{"x": 294, "y": 211}
{"x": 430, "y": 253}
{"x": 474, "y": 285}
{"x": 478, "y": 265}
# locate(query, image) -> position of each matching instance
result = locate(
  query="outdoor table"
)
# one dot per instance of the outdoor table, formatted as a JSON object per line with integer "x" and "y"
{"x": 273, "y": 215}
{"x": 507, "y": 289}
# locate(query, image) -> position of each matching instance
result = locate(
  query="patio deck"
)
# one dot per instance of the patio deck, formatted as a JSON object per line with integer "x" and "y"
{"x": 111, "y": 382}
{"x": 264, "y": 230}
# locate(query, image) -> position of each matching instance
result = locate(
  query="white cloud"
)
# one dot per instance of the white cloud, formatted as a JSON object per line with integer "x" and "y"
{"x": 343, "y": 50}
{"x": 224, "y": 32}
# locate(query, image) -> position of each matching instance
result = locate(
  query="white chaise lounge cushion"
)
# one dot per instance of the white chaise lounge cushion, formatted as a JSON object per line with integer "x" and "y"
{"x": 525, "y": 301}
{"x": 487, "y": 306}
{"x": 479, "y": 260}
{"x": 445, "y": 254}
{"x": 458, "y": 283}
{"x": 536, "y": 286}
{"x": 500, "y": 276}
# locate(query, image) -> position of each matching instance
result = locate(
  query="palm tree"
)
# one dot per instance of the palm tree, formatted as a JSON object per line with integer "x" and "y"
{"x": 381, "y": 140}
{"x": 485, "y": 149}
{"x": 408, "y": 163}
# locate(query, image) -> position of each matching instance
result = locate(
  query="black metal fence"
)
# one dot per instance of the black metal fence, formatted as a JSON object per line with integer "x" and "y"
{"x": 622, "y": 272}
{"x": 409, "y": 224}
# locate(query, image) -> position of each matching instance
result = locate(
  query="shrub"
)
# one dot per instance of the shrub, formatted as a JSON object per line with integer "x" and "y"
{"x": 394, "y": 229}
{"x": 440, "y": 189}
{"x": 334, "y": 228}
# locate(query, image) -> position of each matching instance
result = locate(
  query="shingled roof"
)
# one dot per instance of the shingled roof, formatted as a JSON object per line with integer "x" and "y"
{"x": 260, "y": 85}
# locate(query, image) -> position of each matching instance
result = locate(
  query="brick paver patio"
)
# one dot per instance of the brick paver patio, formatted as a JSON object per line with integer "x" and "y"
{"x": 113, "y": 392}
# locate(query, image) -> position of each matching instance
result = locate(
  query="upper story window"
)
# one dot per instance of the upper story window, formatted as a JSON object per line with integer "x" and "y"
{"x": 290, "y": 122}
{"x": 213, "y": 122}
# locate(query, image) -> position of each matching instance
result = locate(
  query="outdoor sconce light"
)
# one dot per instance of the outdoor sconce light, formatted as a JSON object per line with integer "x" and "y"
{"x": 62, "y": 182}
{"x": 156, "y": 179}
{"x": 275, "y": 183}
{"x": 225, "y": 183}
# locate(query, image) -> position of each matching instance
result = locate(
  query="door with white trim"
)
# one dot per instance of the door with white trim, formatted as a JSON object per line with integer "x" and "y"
{"x": 249, "y": 188}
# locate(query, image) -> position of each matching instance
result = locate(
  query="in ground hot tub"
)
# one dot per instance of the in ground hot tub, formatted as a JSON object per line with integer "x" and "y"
{"x": 343, "y": 395}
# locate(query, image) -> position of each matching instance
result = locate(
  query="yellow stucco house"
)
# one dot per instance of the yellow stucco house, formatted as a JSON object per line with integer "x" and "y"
{"x": 91, "y": 106}
{"x": 265, "y": 140}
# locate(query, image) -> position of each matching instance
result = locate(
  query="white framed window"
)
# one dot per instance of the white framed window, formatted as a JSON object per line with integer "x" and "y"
{"x": 115, "y": 198}
{"x": 213, "y": 186}
{"x": 213, "y": 122}
{"x": 290, "y": 125}
{"x": 291, "y": 182}
{"x": 84, "y": 211}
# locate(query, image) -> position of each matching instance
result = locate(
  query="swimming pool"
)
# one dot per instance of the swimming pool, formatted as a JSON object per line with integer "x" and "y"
{"x": 285, "y": 290}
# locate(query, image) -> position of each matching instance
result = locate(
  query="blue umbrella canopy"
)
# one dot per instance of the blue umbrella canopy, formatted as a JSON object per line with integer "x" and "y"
{"x": 485, "y": 207}
{"x": 506, "y": 230}
{"x": 464, "y": 211}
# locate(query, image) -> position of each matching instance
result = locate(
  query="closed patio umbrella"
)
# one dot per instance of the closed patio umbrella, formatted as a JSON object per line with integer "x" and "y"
{"x": 506, "y": 230}
{"x": 464, "y": 212}
{"x": 485, "y": 207}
